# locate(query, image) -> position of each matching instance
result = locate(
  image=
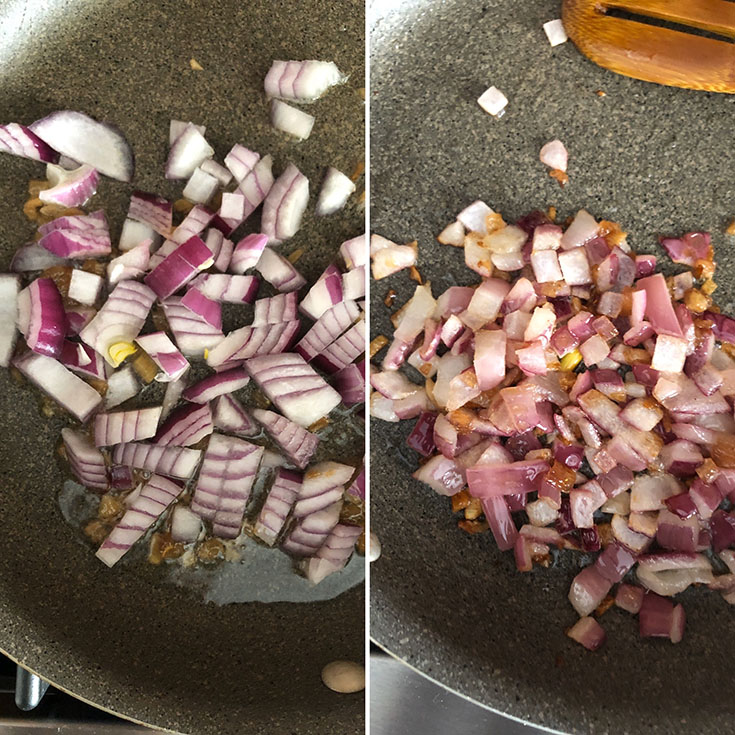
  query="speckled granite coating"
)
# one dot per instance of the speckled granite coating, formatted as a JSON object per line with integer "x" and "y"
{"x": 123, "y": 638}
{"x": 655, "y": 159}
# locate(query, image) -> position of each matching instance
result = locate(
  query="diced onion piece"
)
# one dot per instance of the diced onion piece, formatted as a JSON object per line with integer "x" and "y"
{"x": 69, "y": 188}
{"x": 284, "y": 205}
{"x": 493, "y": 101}
{"x": 291, "y": 120}
{"x": 189, "y": 150}
{"x": 554, "y": 154}
{"x": 336, "y": 190}
{"x": 555, "y": 32}
{"x": 302, "y": 81}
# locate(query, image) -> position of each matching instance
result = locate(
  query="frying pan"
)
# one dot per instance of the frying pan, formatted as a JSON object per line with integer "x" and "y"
{"x": 653, "y": 158}
{"x": 126, "y": 639}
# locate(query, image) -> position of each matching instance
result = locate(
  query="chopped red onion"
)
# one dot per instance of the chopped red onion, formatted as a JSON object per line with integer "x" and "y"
{"x": 253, "y": 341}
{"x": 284, "y": 205}
{"x": 200, "y": 187}
{"x": 230, "y": 417}
{"x": 588, "y": 590}
{"x": 85, "y": 140}
{"x": 294, "y": 441}
{"x": 156, "y": 495}
{"x": 334, "y": 553}
{"x": 293, "y": 386}
{"x": 216, "y": 385}
{"x": 241, "y": 161}
{"x": 41, "y": 317}
{"x": 125, "y": 426}
{"x": 69, "y": 391}
{"x": 554, "y": 154}
{"x": 302, "y": 81}
{"x": 350, "y": 383}
{"x": 186, "y": 426}
{"x": 279, "y": 271}
{"x": 121, "y": 386}
{"x": 77, "y": 236}
{"x": 323, "y": 485}
{"x": 86, "y": 461}
{"x": 178, "y": 268}
{"x": 152, "y": 210}
{"x": 163, "y": 352}
{"x": 588, "y": 632}
{"x": 308, "y": 535}
{"x": 207, "y": 309}
{"x": 343, "y": 350}
{"x": 192, "y": 334}
{"x": 322, "y": 296}
{"x": 85, "y": 287}
{"x": 583, "y": 228}
{"x": 186, "y": 526}
{"x": 247, "y": 252}
{"x": 330, "y": 325}
{"x": 257, "y": 184}
{"x": 336, "y": 190}
{"x": 119, "y": 320}
{"x": 389, "y": 257}
{"x": 33, "y": 257}
{"x": 170, "y": 461}
{"x": 278, "y": 504}
{"x": 227, "y": 288}
{"x": 354, "y": 252}
{"x": 69, "y": 188}
{"x": 18, "y": 140}
{"x": 188, "y": 151}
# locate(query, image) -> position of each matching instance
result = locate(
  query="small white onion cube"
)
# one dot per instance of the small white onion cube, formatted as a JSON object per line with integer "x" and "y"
{"x": 493, "y": 101}
{"x": 555, "y": 32}
{"x": 233, "y": 206}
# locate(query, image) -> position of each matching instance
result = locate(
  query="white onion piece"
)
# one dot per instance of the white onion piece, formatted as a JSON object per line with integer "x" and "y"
{"x": 275, "y": 309}
{"x": 69, "y": 391}
{"x": 294, "y": 441}
{"x": 336, "y": 190}
{"x": 157, "y": 494}
{"x": 130, "y": 265}
{"x": 277, "y": 506}
{"x": 69, "y": 188}
{"x": 172, "y": 395}
{"x": 554, "y": 155}
{"x": 353, "y": 284}
{"x": 185, "y": 525}
{"x": 474, "y": 217}
{"x": 78, "y": 136}
{"x": 122, "y": 385}
{"x": 583, "y": 228}
{"x": 284, "y": 205}
{"x": 354, "y": 252}
{"x": 134, "y": 233}
{"x": 200, "y": 187}
{"x": 303, "y": 81}
{"x": 125, "y": 426}
{"x": 225, "y": 481}
{"x": 291, "y": 120}
{"x": 233, "y": 206}
{"x": 170, "y": 461}
{"x": 389, "y": 257}
{"x": 86, "y": 461}
{"x": 9, "y": 289}
{"x": 227, "y": 288}
{"x": 163, "y": 352}
{"x": 85, "y": 287}
{"x": 294, "y": 387}
{"x": 452, "y": 234}
{"x": 279, "y": 271}
{"x": 555, "y": 32}
{"x": 177, "y": 127}
{"x": 33, "y": 257}
{"x": 223, "y": 176}
{"x": 493, "y": 101}
{"x": 189, "y": 150}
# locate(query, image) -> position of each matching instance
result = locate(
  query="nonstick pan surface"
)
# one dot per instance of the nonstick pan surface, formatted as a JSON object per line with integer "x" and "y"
{"x": 655, "y": 159}
{"x": 126, "y": 639}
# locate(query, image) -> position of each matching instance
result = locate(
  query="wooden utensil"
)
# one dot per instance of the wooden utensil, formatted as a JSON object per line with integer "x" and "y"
{"x": 619, "y": 35}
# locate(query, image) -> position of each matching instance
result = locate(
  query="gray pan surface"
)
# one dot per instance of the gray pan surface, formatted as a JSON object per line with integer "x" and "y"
{"x": 128, "y": 639}
{"x": 656, "y": 159}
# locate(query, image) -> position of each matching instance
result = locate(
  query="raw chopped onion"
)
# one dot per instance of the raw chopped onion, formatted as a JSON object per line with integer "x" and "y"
{"x": 336, "y": 190}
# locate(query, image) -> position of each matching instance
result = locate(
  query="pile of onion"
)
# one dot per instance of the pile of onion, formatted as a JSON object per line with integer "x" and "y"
{"x": 575, "y": 399}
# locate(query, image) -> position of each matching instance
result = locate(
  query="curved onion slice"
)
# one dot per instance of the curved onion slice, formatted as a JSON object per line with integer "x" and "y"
{"x": 253, "y": 341}
{"x": 170, "y": 461}
{"x": 208, "y": 309}
{"x": 295, "y": 442}
{"x": 185, "y": 426}
{"x": 19, "y": 140}
{"x": 77, "y": 236}
{"x": 97, "y": 144}
{"x": 279, "y": 271}
{"x": 226, "y": 478}
{"x": 177, "y": 269}
{"x": 240, "y": 161}
{"x": 228, "y": 288}
{"x": 69, "y": 188}
{"x": 163, "y": 352}
{"x": 330, "y": 325}
{"x": 192, "y": 334}
{"x": 125, "y": 426}
{"x": 343, "y": 350}
{"x": 247, "y": 252}
{"x": 257, "y": 185}
{"x": 155, "y": 496}
{"x": 308, "y": 535}
{"x": 284, "y": 205}
{"x": 354, "y": 252}
{"x": 216, "y": 385}
{"x": 41, "y": 317}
